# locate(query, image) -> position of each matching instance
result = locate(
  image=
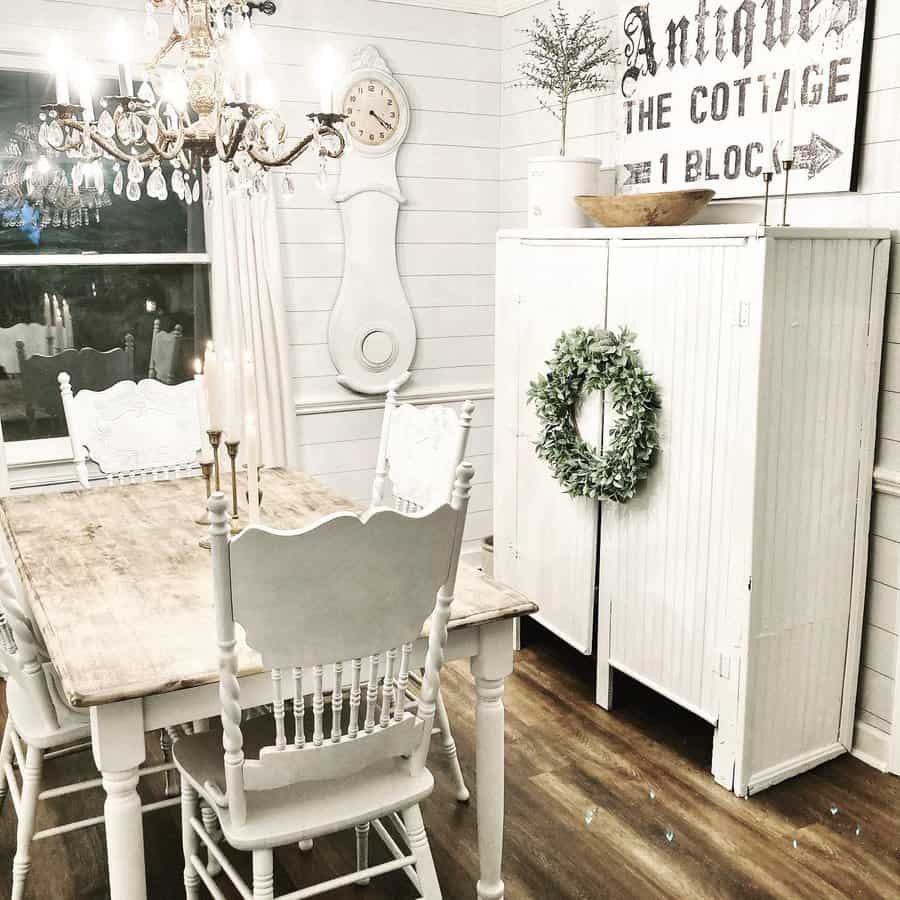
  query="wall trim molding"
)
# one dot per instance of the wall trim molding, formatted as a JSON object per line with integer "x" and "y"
{"x": 480, "y": 7}
{"x": 887, "y": 481}
{"x": 450, "y": 394}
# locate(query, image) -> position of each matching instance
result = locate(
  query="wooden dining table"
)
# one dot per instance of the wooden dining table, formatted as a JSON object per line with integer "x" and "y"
{"x": 121, "y": 591}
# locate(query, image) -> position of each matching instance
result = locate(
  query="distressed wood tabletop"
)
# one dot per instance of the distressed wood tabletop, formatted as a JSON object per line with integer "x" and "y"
{"x": 121, "y": 589}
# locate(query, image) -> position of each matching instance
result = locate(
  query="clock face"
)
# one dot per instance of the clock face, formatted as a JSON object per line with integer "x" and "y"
{"x": 373, "y": 112}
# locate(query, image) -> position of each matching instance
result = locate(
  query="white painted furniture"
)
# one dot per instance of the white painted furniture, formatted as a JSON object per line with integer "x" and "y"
{"x": 371, "y": 331}
{"x": 734, "y": 582}
{"x": 35, "y": 339}
{"x": 39, "y": 728}
{"x": 165, "y": 353}
{"x": 141, "y": 679}
{"x": 419, "y": 452}
{"x": 368, "y": 584}
{"x": 132, "y": 430}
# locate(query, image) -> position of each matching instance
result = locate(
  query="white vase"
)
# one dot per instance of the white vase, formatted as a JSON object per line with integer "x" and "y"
{"x": 555, "y": 181}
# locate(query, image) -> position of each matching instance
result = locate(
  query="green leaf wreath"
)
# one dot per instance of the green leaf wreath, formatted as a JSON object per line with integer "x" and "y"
{"x": 584, "y": 361}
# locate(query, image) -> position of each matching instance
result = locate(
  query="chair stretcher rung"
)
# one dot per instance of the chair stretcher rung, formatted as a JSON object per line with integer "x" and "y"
{"x": 69, "y": 826}
{"x": 396, "y": 852}
{"x": 17, "y": 749}
{"x": 221, "y": 859}
{"x": 206, "y": 878}
{"x": 67, "y": 751}
{"x": 352, "y": 878}
{"x": 12, "y": 786}
{"x": 50, "y": 793}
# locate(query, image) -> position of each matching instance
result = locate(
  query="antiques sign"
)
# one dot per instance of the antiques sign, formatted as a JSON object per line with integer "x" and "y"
{"x": 715, "y": 91}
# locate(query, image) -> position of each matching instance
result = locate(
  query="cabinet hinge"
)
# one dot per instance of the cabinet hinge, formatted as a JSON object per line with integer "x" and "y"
{"x": 723, "y": 666}
{"x": 743, "y": 320}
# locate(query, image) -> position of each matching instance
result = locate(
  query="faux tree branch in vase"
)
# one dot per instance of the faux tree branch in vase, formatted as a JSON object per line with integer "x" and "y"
{"x": 565, "y": 58}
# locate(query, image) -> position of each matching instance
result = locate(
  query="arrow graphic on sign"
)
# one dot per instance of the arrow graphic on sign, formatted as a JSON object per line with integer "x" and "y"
{"x": 639, "y": 173}
{"x": 816, "y": 156}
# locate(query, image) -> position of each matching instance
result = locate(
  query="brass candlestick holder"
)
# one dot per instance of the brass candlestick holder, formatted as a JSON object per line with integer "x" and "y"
{"x": 767, "y": 180}
{"x": 788, "y": 164}
{"x": 215, "y": 440}
{"x": 232, "y": 447}
{"x": 206, "y": 469}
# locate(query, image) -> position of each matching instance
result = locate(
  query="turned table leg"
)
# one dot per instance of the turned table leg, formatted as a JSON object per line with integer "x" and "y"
{"x": 117, "y": 735}
{"x": 493, "y": 663}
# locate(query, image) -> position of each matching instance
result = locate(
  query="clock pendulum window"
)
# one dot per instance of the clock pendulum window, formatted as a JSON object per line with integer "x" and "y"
{"x": 371, "y": 331}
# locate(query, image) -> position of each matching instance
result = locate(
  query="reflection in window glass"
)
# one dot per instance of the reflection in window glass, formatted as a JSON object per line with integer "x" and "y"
{"x": 146, "y": 321}
{"x": 50, "y": 204}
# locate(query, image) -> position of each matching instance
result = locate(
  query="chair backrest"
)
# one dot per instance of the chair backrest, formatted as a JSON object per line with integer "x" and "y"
{"x": 88, "y": 369}
{"x": 20, "y": 652}
{"x": 349, "y": 588}
{"x": 34, "y": 338}
{"x": 419, "y": 452}
{"x": 132, "y": 431}
{"x": 165, "y": 353}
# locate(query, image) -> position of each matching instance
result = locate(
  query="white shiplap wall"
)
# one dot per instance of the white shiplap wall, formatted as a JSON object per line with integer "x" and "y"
{"x": 526, "y": 131}
{"x": 449, "y": 62}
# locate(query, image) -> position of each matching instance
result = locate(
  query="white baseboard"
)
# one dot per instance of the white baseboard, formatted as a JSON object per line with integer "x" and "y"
{"x": 788, "y": 769}
{"x": 871, "y": 746}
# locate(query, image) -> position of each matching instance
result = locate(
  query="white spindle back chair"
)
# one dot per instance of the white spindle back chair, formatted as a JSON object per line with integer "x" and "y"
{"x": 39, "y": 727}
{"x": 341, "y": 601}
{"x": 419, "y": 452}
{"x": 133, "y": 431}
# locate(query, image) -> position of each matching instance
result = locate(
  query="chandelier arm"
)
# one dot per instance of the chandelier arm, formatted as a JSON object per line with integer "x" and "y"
{"x": 226, "y": 151}
{"x": 288, "y": 157}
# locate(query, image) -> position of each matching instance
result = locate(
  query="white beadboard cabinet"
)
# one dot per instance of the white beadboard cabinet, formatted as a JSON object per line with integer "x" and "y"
{"x": 734, "y": 583}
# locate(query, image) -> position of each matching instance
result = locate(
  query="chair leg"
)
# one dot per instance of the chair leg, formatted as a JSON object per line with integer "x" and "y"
{"x": 171, "y": 777}
{"x": 189, "y": 840}
{"x": 31, "y": 787}
{"x": 418, "y": 845}
{"x": 448, "y": 745}
{"x": 263, "y": 875}
{"x": 6, "y": 755}
{"x": 362, "y": 850}
{"x": 211, "y": 824}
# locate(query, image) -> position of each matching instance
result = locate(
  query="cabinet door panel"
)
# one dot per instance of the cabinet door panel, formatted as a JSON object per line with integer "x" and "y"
{"x": 563, "y": 284}
{"x": 675, "y": 561}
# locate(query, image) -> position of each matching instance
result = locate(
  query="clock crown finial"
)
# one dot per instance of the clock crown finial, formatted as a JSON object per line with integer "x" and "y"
{"x": 369, "y": 57}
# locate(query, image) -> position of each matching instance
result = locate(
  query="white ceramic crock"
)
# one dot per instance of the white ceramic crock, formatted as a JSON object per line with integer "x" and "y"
{"x": 555, "y": 181}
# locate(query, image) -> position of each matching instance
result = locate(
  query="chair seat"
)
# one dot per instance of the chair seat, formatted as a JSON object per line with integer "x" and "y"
{"x": 74, "y": 726}
{"x": 300, "y": 811}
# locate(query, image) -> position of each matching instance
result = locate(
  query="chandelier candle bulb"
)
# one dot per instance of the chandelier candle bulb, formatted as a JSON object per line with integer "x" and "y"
{"x": 58, "y": 67}
{"x": 327, "y": 71}
{"x": 121, "y": 45}
{"x": 85, "y": 91}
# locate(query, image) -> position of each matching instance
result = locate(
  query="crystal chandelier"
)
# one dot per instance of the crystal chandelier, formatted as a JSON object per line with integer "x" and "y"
{"x": 204, "y": 107}
{"x": 36, "y": 191}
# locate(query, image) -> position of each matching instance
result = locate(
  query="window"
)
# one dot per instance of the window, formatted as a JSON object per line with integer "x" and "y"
{"x": 82, "y": 267}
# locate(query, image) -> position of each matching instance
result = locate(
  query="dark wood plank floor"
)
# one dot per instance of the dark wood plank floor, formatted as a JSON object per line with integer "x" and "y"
{"x": 565, "y": 758}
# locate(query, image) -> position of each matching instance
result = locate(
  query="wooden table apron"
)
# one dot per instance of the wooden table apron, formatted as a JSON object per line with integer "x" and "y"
{"x": 122, "y": 594}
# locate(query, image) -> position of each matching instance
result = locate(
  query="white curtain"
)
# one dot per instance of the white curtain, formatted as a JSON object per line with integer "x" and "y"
{"x": 247, "y": 306}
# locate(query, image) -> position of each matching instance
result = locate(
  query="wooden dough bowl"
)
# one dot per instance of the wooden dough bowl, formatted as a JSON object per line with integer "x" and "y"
{"x": 640, "y": 210}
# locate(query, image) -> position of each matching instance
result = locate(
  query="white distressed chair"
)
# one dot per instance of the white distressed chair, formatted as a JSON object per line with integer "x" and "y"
{"x": 321, "y": 601}
{"x": 39, "y": 728}
{"x": 133, "y": 431}
{"x": 418, "y": 454}
{"x": 165, "y": 353}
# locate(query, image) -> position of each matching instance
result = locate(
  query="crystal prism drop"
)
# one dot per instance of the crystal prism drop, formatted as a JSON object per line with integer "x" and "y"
{"x": 118, "y": 183}
{"x": 77, "y": 176}
{"x": 178, "y": 182}
{"x": 151, "y": 132}
{"x": 99, "y": 179}
{"x": 156, "y": 183}
{"x": 137, "y": 129}
{"x": 55, "y": 135}
{"x": 135, "y": 171}
{"x": 196, "y": 192}
{"x": 105, "y": 124}
{"x": 287, "y": 186}
{"x": 123, "y": 130}
{"x": 133, "y": 192}
{"x": 188, "y": 197}
{"x": 42, "y": 134}
{"x": 322, "y": 180}
{"x": 145, "y": 93}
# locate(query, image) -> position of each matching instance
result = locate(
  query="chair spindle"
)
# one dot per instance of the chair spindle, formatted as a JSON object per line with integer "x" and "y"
{"x": 356, "y": 671}
{"x": 372, "y": 693}
{"x": 337, "y": 701}
{"x": 318, "y": 706}
{"x": 278, "y": 708}
{"x": 387, "y": 690}
{"x": 299, "y": 708}
{"x": 402, "y": 682}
